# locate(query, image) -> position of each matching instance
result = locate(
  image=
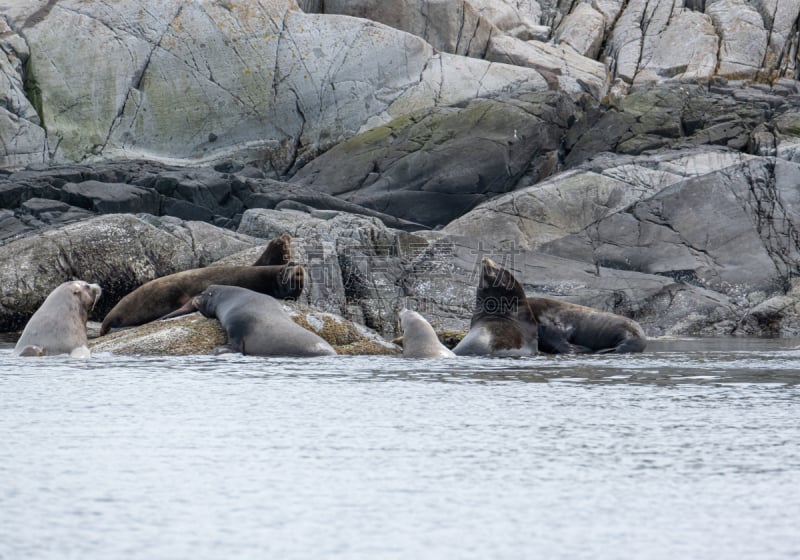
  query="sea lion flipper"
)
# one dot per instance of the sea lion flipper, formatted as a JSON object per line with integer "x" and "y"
{"x": 32, "y": 351}
{"x": 554, "y": 342}
{"x": 81, "y": 352}
{"x": 225, "y": 349}
{"x": 185, "y": 309}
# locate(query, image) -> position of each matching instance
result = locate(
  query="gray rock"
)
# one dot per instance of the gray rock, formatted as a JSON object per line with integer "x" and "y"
{"x": 583, "y": 29}
{"x": 191, "y": 194}
{"x": 434, "y": 166}
{"x": 22, "y": 137}
{"x": 355, "y": 266}
{"x": 565, "y": 69}
{"x": 574, "y": 201}
{"x": 743, "y": 35}
{"x": 194, "y": 334}
{"x": 678, "y": 116}
{"x": 119, "y": 252}
{"x": 257, "y": 78}
{"x": 111, "y": 198}
{"x": 460, "y": 27}
{"x": 686, "y": 50}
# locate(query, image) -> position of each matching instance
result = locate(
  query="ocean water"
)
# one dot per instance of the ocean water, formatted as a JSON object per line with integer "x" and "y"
{"x": 690, "y": 450}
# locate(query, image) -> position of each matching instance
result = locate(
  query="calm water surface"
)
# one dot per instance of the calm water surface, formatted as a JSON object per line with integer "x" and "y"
{"x": 690, "y": 450}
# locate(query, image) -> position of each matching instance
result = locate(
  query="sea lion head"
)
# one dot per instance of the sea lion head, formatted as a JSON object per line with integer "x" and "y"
{"x": 206, "y": 302}
{"x": 85, "y": 294}
{"x": 291, "y": 282}
{"x": 278, "y": 252}
{"x": 498, "y": 291}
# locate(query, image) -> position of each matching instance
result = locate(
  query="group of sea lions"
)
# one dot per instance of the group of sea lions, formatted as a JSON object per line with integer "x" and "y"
{"x": 244, "y": 299}
{"x": 506, "y": 322}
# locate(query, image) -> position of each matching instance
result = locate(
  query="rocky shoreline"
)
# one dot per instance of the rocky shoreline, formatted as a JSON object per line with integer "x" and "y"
{"x": 399, "y": 159}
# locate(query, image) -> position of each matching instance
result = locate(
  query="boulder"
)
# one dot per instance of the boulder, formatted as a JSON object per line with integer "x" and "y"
{"x": 257, "y": 79}
{"x": 460, "y": 27}
{"x": 194, "y": 334}
{"x": 565, "y": 68}
{"x": 355, "y": 266}
{"x": 435, "y": 165}
{"x": 23, "y": 140}
{"x": 63, "y": 194}
{"x": 583, "y": 29}
{"x": 685, "y": 51}
{"x": 743, "y": 43}
{"x": 575, "y": 201}
{"x": 119, "y": 252}
{"x": 720, "y": 220}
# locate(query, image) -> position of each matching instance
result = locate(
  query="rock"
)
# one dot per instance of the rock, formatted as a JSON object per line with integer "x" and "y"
{"x": 22, "y": 138}
{"x": 572, "y": 202}
{"x": 685, "y": 51}
{"x": 460, "y": 27}
{"x": 63, "y": 194}
{"x": 449, "y": 80}
{"x": 583, "y": 30}
{"x": 437, "y": 164}
{"x": 743, "y": 38}
{"x": 194, "y": 334}
{"x": 355, "y": 266}
{"x": 776, "y": 316}
{"x": 111, "y": 198}
{"x": 186, "y": 335}
{"x": 119, "y": 252}
{"x": 257, "y": 79}
{"x": 565, "y": 68}
{"x": 662, "y": 228}
{"x": 676, "y": 116}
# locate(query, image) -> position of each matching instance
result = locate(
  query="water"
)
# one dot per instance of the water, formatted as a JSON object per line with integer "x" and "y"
{"x": 690, "y": 450}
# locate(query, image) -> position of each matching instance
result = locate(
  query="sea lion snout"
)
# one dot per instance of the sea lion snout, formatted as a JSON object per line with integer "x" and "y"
{"x": 292, "y": 281}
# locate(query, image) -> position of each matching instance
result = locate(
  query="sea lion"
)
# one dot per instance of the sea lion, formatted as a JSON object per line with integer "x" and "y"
{"x": 568, "y": 328}
{"x": 419, "y": 338}
{"x": 502, "y": 323}
{"x": 257, "y": 325}
{"x": 59, "y": 325}
{"x": 170, "y": 295}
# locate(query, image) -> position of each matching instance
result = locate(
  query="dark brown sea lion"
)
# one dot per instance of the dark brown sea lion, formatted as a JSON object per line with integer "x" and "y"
{"x": 257, "y": 325}
{"x": 568, "y": 328}
{"x": 171, "y": 296}
{"x": 502, "y": 323}
{"x": 163, "y": 296}
{"x": 59, "y": 325}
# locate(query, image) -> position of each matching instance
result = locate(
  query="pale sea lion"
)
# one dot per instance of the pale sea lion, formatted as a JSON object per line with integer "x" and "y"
{"x": 502, "y": 323}
{"x": 568, "y": 328}
{"x": 257, "y": 325}
{"x": 419, "y": 338}
{"x": 59, "y": 325}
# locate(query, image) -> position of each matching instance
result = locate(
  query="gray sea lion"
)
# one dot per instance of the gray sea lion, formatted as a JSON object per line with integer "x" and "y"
{"x": 419, "y": 338}
{"x": 59, "y": 325}
{"x": 502, "y": 323}
{"x": 568, "y": 328}
{"x": 257, "y": 325}
{"x": 171, "y": 294}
